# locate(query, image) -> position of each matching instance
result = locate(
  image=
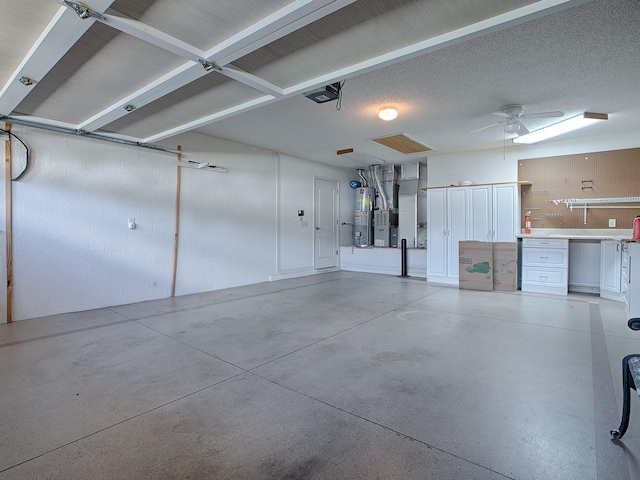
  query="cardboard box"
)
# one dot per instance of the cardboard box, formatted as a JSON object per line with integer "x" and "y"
{"x": 475, "y": 265}
{"x": 505, "y": 266}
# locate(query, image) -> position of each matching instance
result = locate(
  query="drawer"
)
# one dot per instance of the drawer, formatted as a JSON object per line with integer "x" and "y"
{"x": 552, "y": 257}
{"x": 553, "y": 277}
{"x": 545, "y": 243}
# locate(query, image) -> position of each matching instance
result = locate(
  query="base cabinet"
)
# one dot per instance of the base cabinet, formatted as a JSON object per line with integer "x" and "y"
{"x": 545, "y": 265}
{"x": 631, "y": 279}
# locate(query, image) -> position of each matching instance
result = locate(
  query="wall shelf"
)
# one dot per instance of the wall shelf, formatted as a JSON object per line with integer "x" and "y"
{"x": 587, "y": 203}
{"x": 519, "y": 182}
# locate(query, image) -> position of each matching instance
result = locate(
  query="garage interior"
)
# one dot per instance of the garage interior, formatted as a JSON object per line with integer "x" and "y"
{"x": 167, "y": 314}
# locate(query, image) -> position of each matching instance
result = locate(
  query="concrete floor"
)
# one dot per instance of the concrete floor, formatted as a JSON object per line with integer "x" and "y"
{"x": 334, "y": 376}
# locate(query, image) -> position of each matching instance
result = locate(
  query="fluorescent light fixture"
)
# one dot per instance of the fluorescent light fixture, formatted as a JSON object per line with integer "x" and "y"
{"x": 388, "y": 113}
{"x": 559, "y": 128}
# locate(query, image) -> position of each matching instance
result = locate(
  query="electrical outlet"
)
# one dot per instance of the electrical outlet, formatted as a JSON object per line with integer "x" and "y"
{"x": 612, "y": 223}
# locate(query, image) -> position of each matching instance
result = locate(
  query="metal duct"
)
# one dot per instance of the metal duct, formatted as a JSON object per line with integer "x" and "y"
{"x": 383, "y": 196}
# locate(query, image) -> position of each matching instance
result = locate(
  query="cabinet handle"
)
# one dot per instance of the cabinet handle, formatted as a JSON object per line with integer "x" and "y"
{"x": 544, "y": 257}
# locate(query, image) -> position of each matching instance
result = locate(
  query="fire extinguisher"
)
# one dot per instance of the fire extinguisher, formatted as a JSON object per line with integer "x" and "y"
{"x": 636, "y": 227}
{"x": 527, "y": 223}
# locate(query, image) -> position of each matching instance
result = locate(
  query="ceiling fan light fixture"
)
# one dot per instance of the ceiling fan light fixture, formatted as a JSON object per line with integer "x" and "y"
{"x": 569, "y": 125}
{"x": 511, "y": 128}
{"x": 388, "y": 113}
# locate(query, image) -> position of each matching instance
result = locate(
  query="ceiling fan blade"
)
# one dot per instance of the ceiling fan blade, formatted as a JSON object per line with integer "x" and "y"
{"x": 488, "y": 126}
{"x": 543, "y": 115}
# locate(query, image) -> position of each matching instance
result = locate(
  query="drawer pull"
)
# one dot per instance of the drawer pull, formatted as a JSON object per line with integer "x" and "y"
{"x": 544, "y": 257}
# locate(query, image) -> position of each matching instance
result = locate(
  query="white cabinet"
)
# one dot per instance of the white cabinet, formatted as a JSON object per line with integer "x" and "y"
{"x": 545, "y": 265}
{"x": 506, "y": 212}
{"x": 631, "y": 279}
{"x": 446, "y": 226}
{"x": 479, "y": 208}
{"x": 610, "y": 270}
{"x": 481, "y": 212}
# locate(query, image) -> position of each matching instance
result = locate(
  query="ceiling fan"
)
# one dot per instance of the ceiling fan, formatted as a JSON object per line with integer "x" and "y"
{"x": 513, "y": 116}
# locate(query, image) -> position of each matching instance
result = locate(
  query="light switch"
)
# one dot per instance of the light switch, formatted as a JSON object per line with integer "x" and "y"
{"x": 612, "y": 222}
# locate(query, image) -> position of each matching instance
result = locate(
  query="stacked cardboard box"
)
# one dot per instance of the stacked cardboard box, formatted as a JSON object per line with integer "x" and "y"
{"x": 488, "y": 266}
{"x": 505, "y": 266}
{"x": 476, "y": 271}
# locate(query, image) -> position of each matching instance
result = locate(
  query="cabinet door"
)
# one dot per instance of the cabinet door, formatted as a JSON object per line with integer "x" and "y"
{"x": 457, "y": 226}
{"x": 610, "y": 267}
{"x": 480, "y": 213}
{"x": 437, "y": 232}
{"x": 633, "y": 280}
{"x": 506, "y": 212}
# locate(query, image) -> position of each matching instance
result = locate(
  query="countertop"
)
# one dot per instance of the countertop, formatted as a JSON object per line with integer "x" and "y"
{"x": 581, "y": 234}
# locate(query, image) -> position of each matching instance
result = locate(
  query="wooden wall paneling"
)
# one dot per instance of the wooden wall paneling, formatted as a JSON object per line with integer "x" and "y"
{"x": 614, "y": 173}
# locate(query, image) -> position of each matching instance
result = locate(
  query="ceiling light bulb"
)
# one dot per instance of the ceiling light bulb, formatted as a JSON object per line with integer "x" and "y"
{"x": 388, "y": 113}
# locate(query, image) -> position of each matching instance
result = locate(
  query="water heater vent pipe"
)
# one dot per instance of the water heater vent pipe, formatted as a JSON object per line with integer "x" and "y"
{"x": 362, "y": 177}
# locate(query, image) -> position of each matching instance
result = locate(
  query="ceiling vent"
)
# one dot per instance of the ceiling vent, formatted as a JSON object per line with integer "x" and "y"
{"x": 403, "y": 143}
{"x": 325, "y": 94}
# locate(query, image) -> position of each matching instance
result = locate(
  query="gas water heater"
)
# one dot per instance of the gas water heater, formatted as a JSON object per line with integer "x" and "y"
{"x": 363, "y": 225}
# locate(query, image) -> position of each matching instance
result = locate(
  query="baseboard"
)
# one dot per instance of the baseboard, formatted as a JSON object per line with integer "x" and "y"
{"x": 302, "y": 273}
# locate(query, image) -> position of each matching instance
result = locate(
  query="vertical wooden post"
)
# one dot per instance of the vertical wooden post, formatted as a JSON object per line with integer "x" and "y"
{"x": 177, "y": 224}
{"x": 9, "y": 222}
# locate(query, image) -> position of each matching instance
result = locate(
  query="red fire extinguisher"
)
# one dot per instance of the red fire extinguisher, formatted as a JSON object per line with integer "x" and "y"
{"x": 636, "y": 227}
{"x": 527, "y": 223}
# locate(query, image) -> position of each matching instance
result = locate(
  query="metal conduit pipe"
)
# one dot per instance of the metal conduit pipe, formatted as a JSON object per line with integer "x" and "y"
{"x": 70, "y": 131}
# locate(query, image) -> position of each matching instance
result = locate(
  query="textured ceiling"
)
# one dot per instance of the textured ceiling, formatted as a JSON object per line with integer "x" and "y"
{"x": 445, "y": 65}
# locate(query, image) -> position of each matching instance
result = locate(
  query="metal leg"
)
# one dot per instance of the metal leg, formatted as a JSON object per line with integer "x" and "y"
{"x": 627, "y": 385}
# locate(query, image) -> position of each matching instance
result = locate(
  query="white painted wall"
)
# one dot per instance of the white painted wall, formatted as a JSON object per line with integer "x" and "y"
{"x": 296, "y": 179}
{"x": 500, "y": 165}
{"x": 72, "y": 247}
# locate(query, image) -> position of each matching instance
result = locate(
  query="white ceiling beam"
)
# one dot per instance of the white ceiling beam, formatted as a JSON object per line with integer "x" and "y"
{"x": 151, "y": 35}
{"x": 229, "y": 112}
{"x": 62, "y": 32}
{"x": 175, "y": 79}
{"x": 485, "y": 27}
{"x": 294, "y": 16}
{"x": 251, "y": 80}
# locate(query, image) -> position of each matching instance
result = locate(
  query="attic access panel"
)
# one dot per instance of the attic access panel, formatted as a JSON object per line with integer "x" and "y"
{"x": 403, "y": 143}
{"x": 361, "y": 31}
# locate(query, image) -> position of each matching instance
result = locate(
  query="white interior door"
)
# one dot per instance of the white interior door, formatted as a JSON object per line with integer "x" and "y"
{"x": 326, "y": 223}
